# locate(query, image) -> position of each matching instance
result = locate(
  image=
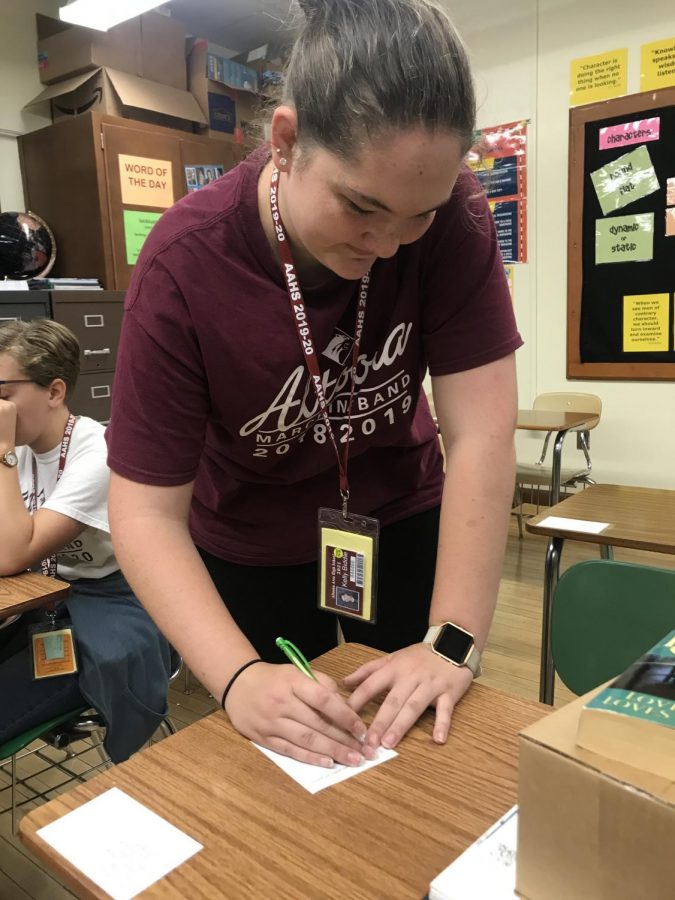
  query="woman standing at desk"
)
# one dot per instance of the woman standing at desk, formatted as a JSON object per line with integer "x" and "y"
{"x": 289, "y": 311}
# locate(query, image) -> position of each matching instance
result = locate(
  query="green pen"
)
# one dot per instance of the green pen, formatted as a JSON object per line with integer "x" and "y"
{"x": 296, "y": 657}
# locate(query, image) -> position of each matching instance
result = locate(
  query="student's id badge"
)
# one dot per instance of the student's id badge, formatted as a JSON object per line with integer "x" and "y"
{"x": 53, "y": 651}
{"x": 348, "y": 564}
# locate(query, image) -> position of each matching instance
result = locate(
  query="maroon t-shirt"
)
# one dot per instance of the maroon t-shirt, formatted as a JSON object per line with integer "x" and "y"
{"x": 211, "y": 382}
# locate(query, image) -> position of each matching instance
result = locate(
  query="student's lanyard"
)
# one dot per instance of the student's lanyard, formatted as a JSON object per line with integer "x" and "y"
{"x": 48, "y": 565}
{"x": 301, "y": 320}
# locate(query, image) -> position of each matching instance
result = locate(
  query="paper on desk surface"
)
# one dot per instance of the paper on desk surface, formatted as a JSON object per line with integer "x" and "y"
{"x": 572, "y": 524}
{"x": 119, "y": 844}
{"x": 316, "y": 778}
{"x": 486, "y": 869}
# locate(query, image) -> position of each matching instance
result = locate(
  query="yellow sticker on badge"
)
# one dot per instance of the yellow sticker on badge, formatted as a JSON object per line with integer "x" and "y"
{"x": 346, "y": 573}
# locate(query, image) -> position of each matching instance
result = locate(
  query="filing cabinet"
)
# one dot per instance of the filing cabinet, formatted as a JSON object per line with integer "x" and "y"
{"x": 95, "y": 317}
{"x": 24, "y": 305}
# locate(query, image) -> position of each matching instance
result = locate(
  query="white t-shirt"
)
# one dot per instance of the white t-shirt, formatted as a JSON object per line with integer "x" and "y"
{"x": 81, "y": 493}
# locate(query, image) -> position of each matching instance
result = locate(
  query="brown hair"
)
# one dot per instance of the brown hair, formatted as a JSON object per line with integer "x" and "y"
{"x": 362, "y": 67}
{"x": 43, "y": 350}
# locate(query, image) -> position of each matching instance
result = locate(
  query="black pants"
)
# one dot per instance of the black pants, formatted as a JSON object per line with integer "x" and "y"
{"x": 271, "y": 601}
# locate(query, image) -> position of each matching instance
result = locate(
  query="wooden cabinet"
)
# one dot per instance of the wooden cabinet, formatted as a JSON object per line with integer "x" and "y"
{"x": 24, "y": 305}
{"x": 71, "y": 174}
{"x": 95, "y": 317}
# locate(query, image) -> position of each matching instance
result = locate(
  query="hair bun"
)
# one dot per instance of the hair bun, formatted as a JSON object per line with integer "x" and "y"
{"x": 311, "y": 8}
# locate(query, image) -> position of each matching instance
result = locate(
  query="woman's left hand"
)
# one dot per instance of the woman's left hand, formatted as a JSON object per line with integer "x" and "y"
{"x": 414, "y": 679}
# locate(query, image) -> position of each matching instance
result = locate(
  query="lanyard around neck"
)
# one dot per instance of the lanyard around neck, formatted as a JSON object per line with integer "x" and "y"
{"x": 301, "y": 320}
{"x": 48, "y": 565}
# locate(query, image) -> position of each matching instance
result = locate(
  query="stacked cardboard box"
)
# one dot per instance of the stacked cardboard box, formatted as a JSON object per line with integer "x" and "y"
{"x": 136, "y": 70}
{"x": 589, "y": 826}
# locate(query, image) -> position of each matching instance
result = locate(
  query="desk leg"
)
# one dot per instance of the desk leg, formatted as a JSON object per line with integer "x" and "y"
{"x": 551, "y": 574}
{"x": 606, "y": 551}
{"x": 556, "y": 468}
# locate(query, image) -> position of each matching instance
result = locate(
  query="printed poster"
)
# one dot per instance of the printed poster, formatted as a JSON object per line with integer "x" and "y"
{"x": 499, "y": 161}
{"x": 137, "y": 226}
{"x": 599, "y": 77}
{"x": 624, "y": 180}
{"x": 657, "y": 65}
{"x": 645, "y": 323}
{"x": 670, "y": 192}
{"x": 146, "y": 182}
{"x": 198, "y": 176}
{"x": 670, "y": 222}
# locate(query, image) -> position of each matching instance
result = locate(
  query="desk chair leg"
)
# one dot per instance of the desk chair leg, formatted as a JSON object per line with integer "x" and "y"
{"x": 187, "y": 683}
{"x": 606, "y": 551}
{"x": 556, "y": 468}
{"x": 14, "y": 794}
{"x": 551, "y": 575}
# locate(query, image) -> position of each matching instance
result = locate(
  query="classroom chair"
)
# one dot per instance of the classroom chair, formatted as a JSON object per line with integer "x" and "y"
{"x": 605, "y": 615}
{"x": 75, "y": 736}
{"x": 537, "y": 475}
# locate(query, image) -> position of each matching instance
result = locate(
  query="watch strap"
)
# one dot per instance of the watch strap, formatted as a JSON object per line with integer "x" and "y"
{"x": 472, "y": 662}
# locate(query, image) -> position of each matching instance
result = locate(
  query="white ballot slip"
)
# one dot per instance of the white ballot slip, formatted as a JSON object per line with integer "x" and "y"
{"x": 316, "y": 778}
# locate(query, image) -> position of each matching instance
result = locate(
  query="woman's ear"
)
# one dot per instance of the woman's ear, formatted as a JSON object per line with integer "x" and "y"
{"x": 57, "y": 392}
{"x": 284, "y": 136}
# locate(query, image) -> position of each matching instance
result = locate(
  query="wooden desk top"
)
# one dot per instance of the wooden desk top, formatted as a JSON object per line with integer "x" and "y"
{"x": 19, "y": 593}
{"x": 642, "y": 518}
{"x": 553, "y": 420}
{"x": 385, "y": 833}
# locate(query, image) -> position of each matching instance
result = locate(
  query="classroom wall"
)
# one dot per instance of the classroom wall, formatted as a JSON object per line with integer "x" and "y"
{"x": 19, "y": 83}
{"x": 521, "y": 54}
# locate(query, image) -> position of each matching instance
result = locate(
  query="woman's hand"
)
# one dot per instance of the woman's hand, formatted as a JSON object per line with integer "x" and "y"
{"x": 7, "y": 425}
{"x": 282, "y": 709}
{"x": 414, "y": 679}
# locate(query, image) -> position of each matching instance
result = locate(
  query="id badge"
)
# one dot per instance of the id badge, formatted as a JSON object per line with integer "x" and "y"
{"x": 348, "y": 564}
{"x": 53, "y": 651}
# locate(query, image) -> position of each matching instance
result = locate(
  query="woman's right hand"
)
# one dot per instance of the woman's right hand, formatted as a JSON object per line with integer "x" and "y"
{"x": 282, "y": 709}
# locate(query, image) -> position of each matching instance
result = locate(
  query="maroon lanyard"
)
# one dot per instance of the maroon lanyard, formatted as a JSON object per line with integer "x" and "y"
{"x": 305, "y": 335}
{"x": 48, "y": 565}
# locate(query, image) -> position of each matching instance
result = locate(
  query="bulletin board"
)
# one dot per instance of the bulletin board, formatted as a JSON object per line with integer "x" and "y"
{"x": 621, "y": 239}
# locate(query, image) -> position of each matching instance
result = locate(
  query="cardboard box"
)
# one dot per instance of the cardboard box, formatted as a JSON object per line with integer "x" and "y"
{"x": 589, "y": 827}
{"x": 150, "y": 46}
{"x": 121, "y": 94}
{"x": 228, "y": 111}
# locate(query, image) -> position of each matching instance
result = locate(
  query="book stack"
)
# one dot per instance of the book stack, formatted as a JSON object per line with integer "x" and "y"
{"x": 64, "y": 284}
{"x": 633, "y": 719}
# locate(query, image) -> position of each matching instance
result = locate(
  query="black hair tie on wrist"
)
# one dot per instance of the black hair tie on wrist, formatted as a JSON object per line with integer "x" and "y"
{"x": 236, "y": 675}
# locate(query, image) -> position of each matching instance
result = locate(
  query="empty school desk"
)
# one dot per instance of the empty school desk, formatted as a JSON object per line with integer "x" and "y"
{"x": 560, "y": 423}
{"x": 384, "y": 833}
{"x": 641, "y": 518}
{"x": 19, "y": 593}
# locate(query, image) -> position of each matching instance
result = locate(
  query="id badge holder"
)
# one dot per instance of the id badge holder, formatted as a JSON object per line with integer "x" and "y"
{"x": 348, "y": 547}
{"x": 52, "y": 649}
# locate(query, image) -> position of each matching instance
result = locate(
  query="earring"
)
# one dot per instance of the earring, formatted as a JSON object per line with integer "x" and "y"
{"x": 283, "y": 162}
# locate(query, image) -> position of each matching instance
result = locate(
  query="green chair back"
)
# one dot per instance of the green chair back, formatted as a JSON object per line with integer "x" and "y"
{"x": 606, "y": 614}
{"x": 15, "y": 745}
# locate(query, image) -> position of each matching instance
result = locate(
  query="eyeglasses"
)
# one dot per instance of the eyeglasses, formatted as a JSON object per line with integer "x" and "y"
{"x": 17, "y": 381}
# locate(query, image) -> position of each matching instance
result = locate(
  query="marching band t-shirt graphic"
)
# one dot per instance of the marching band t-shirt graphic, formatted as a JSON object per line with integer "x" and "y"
{"x": 231, "y": 405}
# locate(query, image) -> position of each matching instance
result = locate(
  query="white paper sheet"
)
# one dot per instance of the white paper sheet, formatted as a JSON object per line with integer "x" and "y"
{"x": 572, "y": 524}
{"x": 316, "y": 778}
{"x": 9, "y": 285}
{"x": 486, "y": 869}
{"x": 119, "y": 844}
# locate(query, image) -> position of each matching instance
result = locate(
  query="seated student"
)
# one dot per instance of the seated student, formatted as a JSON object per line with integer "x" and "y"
{"x": 54, "y": 518}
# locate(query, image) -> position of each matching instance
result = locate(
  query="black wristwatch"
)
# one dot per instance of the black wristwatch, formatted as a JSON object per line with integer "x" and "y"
{"x": 454, "y": 644}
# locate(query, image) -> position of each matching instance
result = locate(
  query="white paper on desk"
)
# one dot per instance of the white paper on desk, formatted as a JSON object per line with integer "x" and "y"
{"x": 316, "y": 778}
{"x": 572, "y": 524}
{"x": 486, "y": 869}
{"x": 118, "y": 843}
{"x": 13, "y": 285}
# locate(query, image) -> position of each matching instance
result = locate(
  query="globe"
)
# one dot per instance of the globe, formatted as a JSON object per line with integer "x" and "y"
{"x": 27, "y": 246}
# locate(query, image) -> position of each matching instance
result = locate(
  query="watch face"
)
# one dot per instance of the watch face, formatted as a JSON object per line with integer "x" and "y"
{"x": 10, "y": 458}
{"x": 453, "y": 643}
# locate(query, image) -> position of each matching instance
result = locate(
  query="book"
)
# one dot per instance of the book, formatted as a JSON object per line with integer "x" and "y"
{"x": 486, "y": 869}
{"x": 633, "y": 719}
